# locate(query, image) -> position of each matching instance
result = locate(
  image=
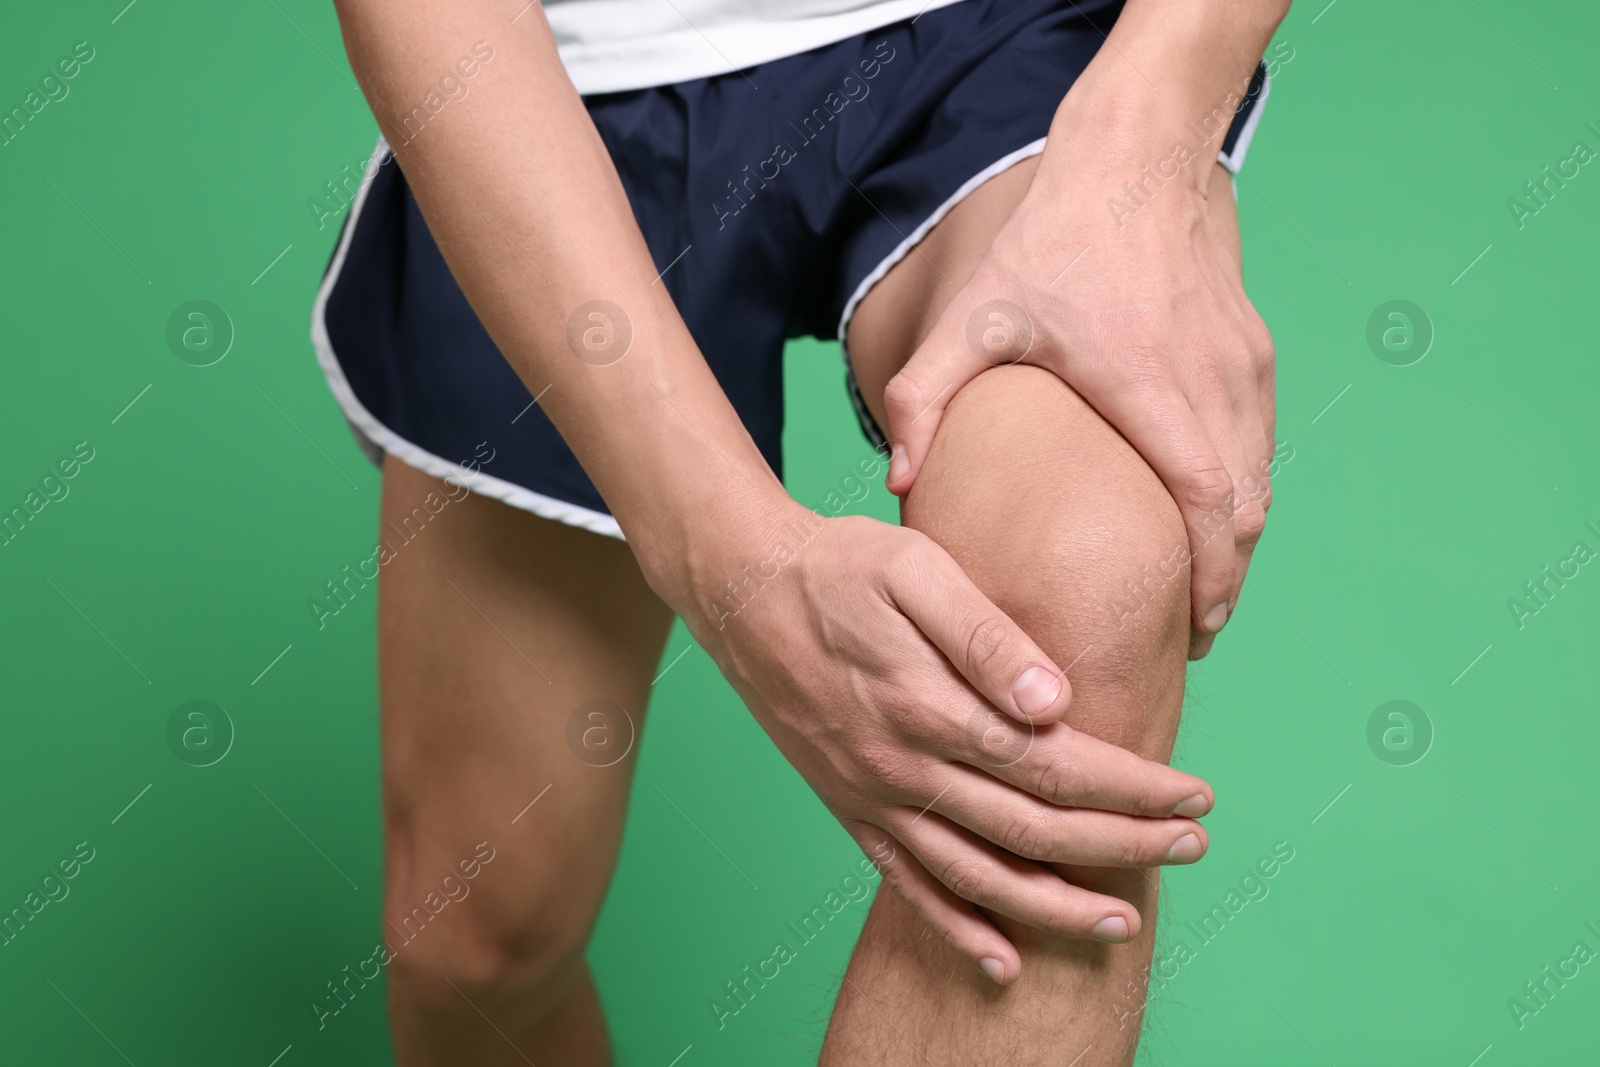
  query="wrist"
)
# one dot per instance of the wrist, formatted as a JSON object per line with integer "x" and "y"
{"x": 698, "y": 551}
{"x": 1167, "y": 83}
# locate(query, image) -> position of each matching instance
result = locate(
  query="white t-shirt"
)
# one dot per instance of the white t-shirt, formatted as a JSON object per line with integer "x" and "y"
{"x": 612, "y": 45}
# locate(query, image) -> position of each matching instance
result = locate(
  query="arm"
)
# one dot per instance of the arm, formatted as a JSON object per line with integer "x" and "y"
{"x": 534, "y": 225}
{"x": 1151, "y": 325}
{"x": 873, "y": 626}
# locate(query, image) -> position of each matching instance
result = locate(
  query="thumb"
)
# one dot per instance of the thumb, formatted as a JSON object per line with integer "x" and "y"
{"x": 991, "y": 334}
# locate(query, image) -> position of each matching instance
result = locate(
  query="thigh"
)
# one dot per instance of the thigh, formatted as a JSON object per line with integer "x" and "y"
{"x": 496, "y": 629}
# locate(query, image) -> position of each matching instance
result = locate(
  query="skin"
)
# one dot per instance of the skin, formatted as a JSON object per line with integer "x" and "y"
{"x": 484, "y": 652}
{"x": 1139, "y": 308}
{"x": 1096, "y": 515}
{"x": 871, "y": 626}
{"x": 472, "y": 731}
{"x": 873, "y": 622}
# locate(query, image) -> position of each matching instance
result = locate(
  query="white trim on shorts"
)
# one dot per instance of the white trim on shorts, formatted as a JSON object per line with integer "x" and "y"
{"x": 1235, "y": 159}
{"x": 372, "y": 434}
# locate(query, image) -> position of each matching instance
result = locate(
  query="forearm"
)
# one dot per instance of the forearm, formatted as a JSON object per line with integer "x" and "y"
{"x": 1172, "y": 72}
{"x": 523, "y": 200}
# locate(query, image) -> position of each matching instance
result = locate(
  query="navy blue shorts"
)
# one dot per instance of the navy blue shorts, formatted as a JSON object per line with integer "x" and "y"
{"x": 772, "y": 211}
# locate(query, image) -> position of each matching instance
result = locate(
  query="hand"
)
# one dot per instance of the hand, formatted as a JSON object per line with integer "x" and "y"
{"x": 877, "y": 667}
{"x": 1144, "y": 316}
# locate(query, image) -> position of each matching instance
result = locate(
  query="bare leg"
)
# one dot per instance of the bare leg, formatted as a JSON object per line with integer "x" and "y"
{"x": 494, "y": 627}
{"x": 1050, "y": 512}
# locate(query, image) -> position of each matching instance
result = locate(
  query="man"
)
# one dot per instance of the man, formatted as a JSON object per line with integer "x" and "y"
{"x": 1017, "y": 215}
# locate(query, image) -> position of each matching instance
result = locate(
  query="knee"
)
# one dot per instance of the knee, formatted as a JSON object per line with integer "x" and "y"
{"x": 1066, "y": 528}
{"x": 507, "y": 928}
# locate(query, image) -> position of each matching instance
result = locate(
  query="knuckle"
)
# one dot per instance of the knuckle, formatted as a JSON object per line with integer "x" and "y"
{"x": 1029, "y": 837}
{"x": 1146, "y": 799}
{"x": 1208, "y": 485}
{"x": 1055, "y": 782}
{"x": 967, "y": 879}
{"x": 884, "y": 764}
{"x": 1210, "y": 370}
{"x": 915, "y": 723}
{"x": 902, "y": 395}
{"x": 1260, "y": 341}
{"x": 988, "y": 643}
{"x": 912, "y": 560}
{"x": 1144, "y": 365}
{"x": 1249, "y": 521}
{"x": 901, "y": 713}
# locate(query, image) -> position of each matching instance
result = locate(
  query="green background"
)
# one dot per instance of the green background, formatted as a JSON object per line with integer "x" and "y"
{"x": 182, "y": 561}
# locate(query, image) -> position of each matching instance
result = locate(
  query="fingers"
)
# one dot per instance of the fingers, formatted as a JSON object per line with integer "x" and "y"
{"x": 1030, "y": 828}
{"x": 1233, "y": 424}
{"x": 915, "y": 400}
{"x": 992, "y": 653}
{"x": 1247, "y": 465}
{"x": 1069, "y": 768}
{"x": 1254, "y": 494}
{"x": 1231, "y": 437}
{"x": 955, "y": 920}
{"x": 977, "y": 871}
{"x": 1252, "y": 389}
{"x": 1171, "y": 438}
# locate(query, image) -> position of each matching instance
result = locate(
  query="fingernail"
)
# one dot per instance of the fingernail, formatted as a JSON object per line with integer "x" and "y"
{"x": 994, "y": 969}
{"x": 1114, "y": 930}
{"x": 898, "y": 463}
{"x": 1216, "y": 618}
{"x": 1036, "y": 690}
{"x": 1192, "y": 807}
{"x": 1185, "y": 849}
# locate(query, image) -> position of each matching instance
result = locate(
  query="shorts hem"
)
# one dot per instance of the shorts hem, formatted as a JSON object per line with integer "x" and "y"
{"x": 1234, "y": 160}
{"x": 377, "y": 435}
{"x": 869, "y": 425}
